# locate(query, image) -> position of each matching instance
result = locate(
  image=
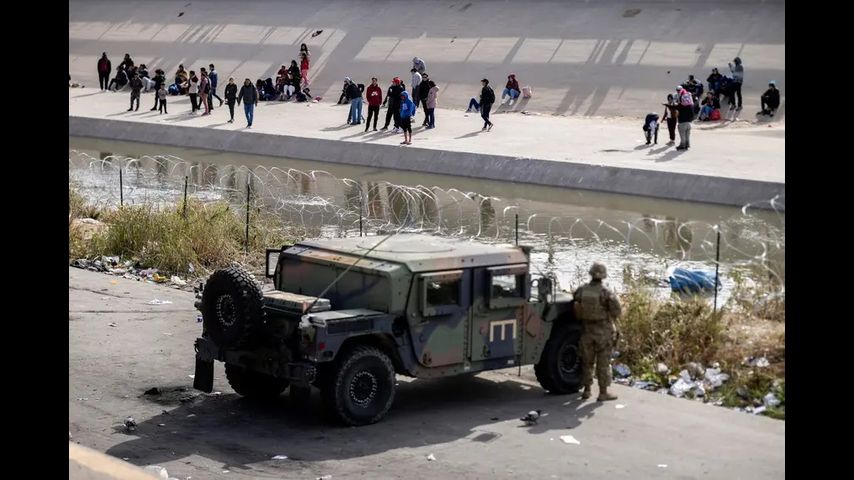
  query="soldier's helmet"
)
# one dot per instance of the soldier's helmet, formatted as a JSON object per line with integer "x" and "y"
{"x": 598, "y": 271}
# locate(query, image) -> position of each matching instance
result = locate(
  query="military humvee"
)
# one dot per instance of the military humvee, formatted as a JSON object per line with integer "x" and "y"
{"x": 348, "y": 314}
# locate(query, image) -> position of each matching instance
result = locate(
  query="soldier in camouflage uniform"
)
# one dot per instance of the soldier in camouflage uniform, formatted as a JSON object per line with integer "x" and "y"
{"x": 597, "y": 307}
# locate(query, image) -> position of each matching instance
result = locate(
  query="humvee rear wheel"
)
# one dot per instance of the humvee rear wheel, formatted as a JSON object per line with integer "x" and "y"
{"x": 231, "y": 306}
{"x": 253, "y": 384}
{"x": 559, "y": 368}
{"x": 359, "y": 390}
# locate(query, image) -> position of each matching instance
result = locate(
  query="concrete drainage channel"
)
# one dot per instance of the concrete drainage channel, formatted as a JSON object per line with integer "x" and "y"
{"x": 648, "y": 183}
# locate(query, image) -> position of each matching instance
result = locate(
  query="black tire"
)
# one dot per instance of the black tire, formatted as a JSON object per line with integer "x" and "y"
{"x": 231, "y": 306}
{"x": 559, "y": 368}
{"x": 251, "y": 384}
{"x": 359, "y": 389}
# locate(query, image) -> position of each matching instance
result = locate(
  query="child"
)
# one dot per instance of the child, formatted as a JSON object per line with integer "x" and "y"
{"x": 161, "y": 94}
{"x": 650, "y": 126}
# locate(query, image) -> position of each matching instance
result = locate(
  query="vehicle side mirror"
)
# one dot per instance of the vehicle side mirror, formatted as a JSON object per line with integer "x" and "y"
{"x": 272, "y": 261}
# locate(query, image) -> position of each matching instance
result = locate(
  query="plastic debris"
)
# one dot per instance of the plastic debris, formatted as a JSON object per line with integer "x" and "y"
{"x": 569, "y": 440}
{"x": 159, "y": 278}
{"x": 644, "y": 385}
{"x": 662, "y": 465}
{"x": 112, "y": 324}
{"x": 771, "y": 400}
{"x": 157, "y": 301}
{"x": 684, "y": 375}
{"x": 431, "y": 457}
{"x": 758, "y": 410}
{"x": 695, "y": 369}
{"x": 176, "y": 280}
{"x": 280, "y": 457}
{"x": 199, "y": 319}
{"x": 158, "y": 470}
{"x": 619, "y": 405}
{"x": 622, "y": 370}
{"x": 714, "y": 377}
{"x": 681, "y": 387}
{"x": 662, "y": 369}
{"x": 130, "y": 424}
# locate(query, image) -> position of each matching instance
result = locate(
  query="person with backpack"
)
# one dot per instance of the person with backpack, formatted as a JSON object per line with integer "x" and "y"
{"x": 104, "y": 69}
{"x": 487, "y": 98}
{"x": 686, "y": 116}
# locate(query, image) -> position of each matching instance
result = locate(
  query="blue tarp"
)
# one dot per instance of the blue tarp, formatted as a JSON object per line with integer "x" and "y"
{"x": 692, "y": 281}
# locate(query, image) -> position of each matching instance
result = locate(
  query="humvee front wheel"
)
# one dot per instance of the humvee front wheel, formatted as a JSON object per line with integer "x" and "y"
{"x": 359, "y": 389}
{"x": 559, "y": 368}
{"x": 253, "y": 384}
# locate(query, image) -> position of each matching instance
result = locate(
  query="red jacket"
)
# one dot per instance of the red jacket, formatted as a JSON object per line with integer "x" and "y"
{"x": 375, "y": 95}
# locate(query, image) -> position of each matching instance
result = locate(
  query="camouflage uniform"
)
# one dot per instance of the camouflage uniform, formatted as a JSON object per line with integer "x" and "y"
{"x": 597, "y": 307}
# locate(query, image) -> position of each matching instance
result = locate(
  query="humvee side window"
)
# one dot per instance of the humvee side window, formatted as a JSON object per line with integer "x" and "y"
{"x": 508, "y": 286}
{"x": 441, "y": 293}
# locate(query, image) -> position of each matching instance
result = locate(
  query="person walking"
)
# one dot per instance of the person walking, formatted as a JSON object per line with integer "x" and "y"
{"x": 487, "y": 98}
{"x": 214, "y": 78}
{"x": 375, "y": 99}
{"x": 231, "y": 97}
{"x": 430, "y": 106}
{"x": 249, "y": 95}
{"x": 104, "y": 69}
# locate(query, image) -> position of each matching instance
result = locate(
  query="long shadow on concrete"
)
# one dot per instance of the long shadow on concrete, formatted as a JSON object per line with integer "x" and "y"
{"x": 239, "y": 432}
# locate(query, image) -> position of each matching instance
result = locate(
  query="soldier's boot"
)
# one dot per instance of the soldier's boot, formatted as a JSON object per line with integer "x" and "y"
{"x": 604, "y": 396}
{"x": 586, "y": 393}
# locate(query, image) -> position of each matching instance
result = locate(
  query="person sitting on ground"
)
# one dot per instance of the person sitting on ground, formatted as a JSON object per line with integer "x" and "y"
{"x": 694, "y": 86}
{"x": 511, "y": 90}
{"x": 181, "y": 78}
{"x": 304, "y": 95}
{"x": 120, "y": 80}
{"x": 419, "y": 65}
{"x": 127, "y": 63}
{"x": 269, "y": 89}
{"x": 770, "y": 100}
{"x": 715, "y": 81}
{"x": 709, "y": 105}
{"x": 650, "y": 127}
{"x": 147, "y": 82}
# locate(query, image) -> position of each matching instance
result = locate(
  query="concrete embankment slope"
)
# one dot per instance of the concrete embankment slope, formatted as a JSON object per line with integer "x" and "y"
{"x": 587, "y": 58}
{"x": 732, "y": 166}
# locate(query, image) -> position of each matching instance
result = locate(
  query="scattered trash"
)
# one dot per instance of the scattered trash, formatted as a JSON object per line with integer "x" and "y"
{"x": 191, "y": 376}
{"x": 644, "y": 385}
{"x": 532, "y": 417}
{"x": 762, "y": 362}
{"x": 569, "y": 440}
{"x": 112, "y": 324}
{"x": 216, "y": 393}
{"x": 191, "y": 415}
{"x": 684, "y": 375}
{"x": 159, "y": 278}
{"x": 152, "y": 391}
{"x": 771, "y": 400}
{"x": 176, "y": 280}
{"x": 280, "y": 457}
{"x": 82, "y": 399}
{"x": 159, "y": 302}
{"x": 619, "y": 405}
{"x": 662, "y": 465}
{"x": 199, "y": 319}
{"x": 662, "y": 369}
{"x": 431, "y": 457}
{"x": 158, "y": 470}
{"x": 130, "y": 424}
{"x": 758, "y": 410}
{"x": 494, "y": 419}
{"x": 695, "y": 369}
{"x": 161, "y": 424}
{"x": 681, "y": 387}
{"x": 324, "y": 477}
{"x": 525, "y": 387}
{"x": 316, "y": 33}
{"x": 191, "y": 268}
{"x": 714, "y": 377}
{"x": 622, "y": 370}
